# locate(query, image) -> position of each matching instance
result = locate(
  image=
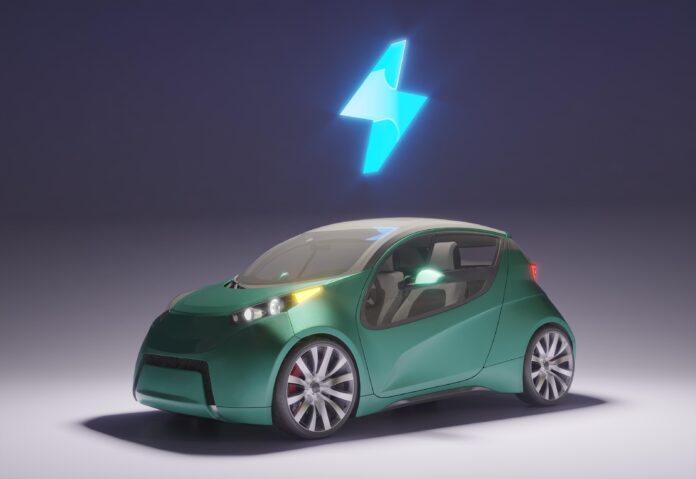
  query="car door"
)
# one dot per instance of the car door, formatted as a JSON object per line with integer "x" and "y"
{"x": 431, "y": 309}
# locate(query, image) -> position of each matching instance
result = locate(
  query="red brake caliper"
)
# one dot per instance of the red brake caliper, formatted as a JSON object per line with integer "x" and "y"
{"x": 292, "y": 387}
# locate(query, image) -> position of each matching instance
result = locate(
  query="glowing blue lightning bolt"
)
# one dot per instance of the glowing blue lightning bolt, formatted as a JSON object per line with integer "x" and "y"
{"x": 390, "y": 110}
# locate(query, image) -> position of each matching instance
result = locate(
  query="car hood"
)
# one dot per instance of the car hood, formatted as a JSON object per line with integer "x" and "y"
{"x": 218, "y": 299}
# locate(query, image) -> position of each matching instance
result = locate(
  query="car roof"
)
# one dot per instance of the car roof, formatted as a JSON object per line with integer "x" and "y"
{"x": 408, "y": 225}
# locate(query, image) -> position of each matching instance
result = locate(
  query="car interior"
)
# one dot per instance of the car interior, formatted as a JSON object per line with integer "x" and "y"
{"x": 467, "y": 263}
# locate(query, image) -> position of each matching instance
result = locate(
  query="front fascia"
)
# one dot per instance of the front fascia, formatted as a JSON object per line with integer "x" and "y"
{"x": 239, "y": 365}
{"x": 243, "y": 360}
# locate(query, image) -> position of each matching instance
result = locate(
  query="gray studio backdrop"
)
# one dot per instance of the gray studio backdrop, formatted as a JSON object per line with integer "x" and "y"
{"x": 151, "y": 148}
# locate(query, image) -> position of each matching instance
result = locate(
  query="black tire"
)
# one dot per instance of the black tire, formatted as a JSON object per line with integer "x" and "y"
{"x": 554, "y": 382}
{"x": 316, "y": 392}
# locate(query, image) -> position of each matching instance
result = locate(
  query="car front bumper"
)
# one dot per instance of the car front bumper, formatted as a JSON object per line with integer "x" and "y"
{"x": 205, "y": 366}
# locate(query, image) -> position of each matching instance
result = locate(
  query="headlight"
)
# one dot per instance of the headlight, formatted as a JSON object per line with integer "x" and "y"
{"x": 275, "y": 305}
{"x": 253, "y": 313}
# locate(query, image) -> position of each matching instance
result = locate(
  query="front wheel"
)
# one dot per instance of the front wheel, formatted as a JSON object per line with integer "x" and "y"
{"x": 548, "y": 367}
{"x": 316, "y": 390}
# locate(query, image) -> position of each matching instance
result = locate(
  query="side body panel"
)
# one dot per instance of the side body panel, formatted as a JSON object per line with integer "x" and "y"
{"x": 504, "y": 377}
{"x": 442, "y": 349}
{"x": 525, "y": 309}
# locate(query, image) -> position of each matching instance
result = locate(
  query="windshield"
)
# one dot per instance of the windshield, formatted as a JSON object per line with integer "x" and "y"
{"x": 312, "y": 255}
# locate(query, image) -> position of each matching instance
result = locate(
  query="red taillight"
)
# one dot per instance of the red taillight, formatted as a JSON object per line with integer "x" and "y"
{"x": 533, "y": 271}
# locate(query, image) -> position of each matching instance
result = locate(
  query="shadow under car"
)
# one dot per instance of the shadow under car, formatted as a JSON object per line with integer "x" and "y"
{"x": 191, "y": 435}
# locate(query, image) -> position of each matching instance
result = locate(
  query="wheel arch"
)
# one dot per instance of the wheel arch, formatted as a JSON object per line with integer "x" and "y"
{"x": 520, "y": 319}
{"x": 554, "y": 321}
{"x": 556, "y": 385}
{"x": 364, "y": 386}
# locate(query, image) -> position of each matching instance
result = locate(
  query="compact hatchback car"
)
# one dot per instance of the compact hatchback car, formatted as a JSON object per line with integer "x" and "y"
{"x": 355, "y": 318}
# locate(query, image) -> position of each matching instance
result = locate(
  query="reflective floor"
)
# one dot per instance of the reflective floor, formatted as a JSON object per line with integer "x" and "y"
{"x": 78, "y": 299}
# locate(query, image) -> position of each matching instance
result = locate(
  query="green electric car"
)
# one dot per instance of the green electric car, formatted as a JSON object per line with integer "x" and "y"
{"x": 355, "y": 318}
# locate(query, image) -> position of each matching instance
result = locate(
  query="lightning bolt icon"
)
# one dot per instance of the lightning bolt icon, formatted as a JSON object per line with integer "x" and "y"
{"x": 390, "y": 110}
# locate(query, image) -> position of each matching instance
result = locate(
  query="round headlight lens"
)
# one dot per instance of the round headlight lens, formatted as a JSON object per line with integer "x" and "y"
{"x": 275, "y": 306}
{"x": 252, "y": 313}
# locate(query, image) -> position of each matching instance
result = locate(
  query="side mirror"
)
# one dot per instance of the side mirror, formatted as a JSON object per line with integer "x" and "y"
{"x": 427, "y": 276}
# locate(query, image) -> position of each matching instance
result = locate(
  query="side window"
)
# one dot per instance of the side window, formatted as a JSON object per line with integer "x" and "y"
{"x": 478, "y": 256}
{"x": 430, "y": 274}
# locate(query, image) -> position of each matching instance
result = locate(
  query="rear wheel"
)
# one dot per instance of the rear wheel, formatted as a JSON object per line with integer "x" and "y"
{"x": 316, "y": 390}
{"x": 548, "y": 367}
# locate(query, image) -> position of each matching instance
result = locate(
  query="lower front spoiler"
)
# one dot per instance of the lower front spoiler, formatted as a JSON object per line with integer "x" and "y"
{"x": 242, "y": 415}
{"x": 187, "y": 390}
{"x": 177, "y": 405}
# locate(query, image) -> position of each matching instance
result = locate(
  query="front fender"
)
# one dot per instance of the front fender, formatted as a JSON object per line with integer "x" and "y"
{"x": 352, "y": 347}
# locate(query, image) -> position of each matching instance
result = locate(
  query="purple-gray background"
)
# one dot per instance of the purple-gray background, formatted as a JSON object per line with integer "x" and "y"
{"x": 190, "y": 109}
{"x": 153, "y": 147}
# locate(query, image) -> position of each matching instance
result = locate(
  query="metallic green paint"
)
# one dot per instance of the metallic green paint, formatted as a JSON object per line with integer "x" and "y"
{"x": 480, "y": 343}
{"x": 445, "y": 348}
{"x": 525, "y": 309}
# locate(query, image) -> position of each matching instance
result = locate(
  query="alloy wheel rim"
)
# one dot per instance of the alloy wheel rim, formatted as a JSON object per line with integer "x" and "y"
{"x": 320, "y": 388}
{"x": 552, "y": 366}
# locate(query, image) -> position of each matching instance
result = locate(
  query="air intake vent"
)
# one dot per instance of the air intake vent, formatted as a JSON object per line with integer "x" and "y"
{"x": 187, "y": 365}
